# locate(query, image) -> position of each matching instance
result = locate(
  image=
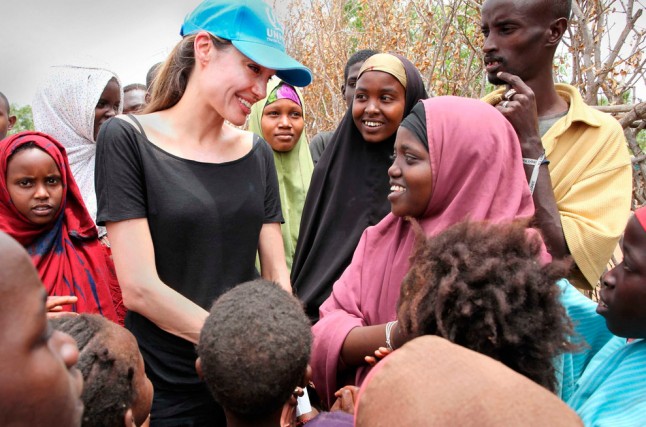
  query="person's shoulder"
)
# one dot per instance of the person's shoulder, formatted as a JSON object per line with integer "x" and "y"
{"x": 606, "y": 120}
{"x": 608, "y": 131}
{"x": 119, "y": 125}
{"x": 119, "y": 134}
{"x": 240, "y": 136}
{"x": 587, "y": 113}
{"x": 322, "y": 138}
{"x": 260, "y": 149}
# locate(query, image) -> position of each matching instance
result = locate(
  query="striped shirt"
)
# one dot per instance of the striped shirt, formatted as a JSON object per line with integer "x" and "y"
{"x": 605, "y": 382}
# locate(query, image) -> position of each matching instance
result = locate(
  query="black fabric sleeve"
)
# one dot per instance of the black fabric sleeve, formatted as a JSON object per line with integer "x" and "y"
{"x": 119, "y": 177}
{"x": 273, "y": 212}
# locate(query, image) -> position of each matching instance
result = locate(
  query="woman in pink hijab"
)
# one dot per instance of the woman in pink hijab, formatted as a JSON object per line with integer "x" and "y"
{"x": 455, "y": 159}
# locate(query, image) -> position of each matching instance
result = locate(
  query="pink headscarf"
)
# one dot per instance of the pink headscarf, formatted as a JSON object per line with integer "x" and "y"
{"x": 477, "y": 174}
{"x": 640, "y": 214}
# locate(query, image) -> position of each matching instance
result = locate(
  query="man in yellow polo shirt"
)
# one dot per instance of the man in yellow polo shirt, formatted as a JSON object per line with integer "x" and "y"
{"x": 576, "y": 159}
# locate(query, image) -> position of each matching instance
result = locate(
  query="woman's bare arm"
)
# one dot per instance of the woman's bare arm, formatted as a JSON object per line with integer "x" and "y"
{"x": 143, "y": 291}
{"x": 272, "y": 256}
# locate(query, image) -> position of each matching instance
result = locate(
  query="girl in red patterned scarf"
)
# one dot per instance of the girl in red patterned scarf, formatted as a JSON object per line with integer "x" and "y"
{"x": 41, "y": 207}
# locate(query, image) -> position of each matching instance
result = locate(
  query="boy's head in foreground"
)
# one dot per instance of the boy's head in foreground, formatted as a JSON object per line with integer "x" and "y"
{"x": 623, "y": 289}
{"x": 253, "y": 350}
{"x": 117, "y": 391}
{"x": 481, "y": 286}
{"x": 39, "y": 385}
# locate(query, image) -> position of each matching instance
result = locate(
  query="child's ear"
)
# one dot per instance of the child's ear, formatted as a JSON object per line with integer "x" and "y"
{"x": 129, "y": 419}
{"x": 198, "y": 368}
{"x": 12, "y": 121}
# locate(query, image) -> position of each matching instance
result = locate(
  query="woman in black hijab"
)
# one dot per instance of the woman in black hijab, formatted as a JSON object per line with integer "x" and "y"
{"x": 349, "y": 187}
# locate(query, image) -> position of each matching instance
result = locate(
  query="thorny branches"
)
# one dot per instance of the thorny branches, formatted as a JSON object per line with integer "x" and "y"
{"x": 603, "y": 53}
{"x": 440, "y": 37}
{"x": 606, "y": 42}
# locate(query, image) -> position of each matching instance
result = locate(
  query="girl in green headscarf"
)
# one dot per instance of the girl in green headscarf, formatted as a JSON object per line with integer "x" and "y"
{"x": 279, "y": 120}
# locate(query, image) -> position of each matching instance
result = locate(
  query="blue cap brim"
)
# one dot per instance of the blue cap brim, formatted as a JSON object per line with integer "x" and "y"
{"x": 287, "y": 68}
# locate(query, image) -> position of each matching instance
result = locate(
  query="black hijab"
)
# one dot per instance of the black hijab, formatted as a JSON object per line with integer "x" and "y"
{"x": 348, "y": 193}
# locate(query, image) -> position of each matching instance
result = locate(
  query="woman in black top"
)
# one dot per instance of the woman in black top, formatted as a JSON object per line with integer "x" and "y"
{"x": 188, "y": 199}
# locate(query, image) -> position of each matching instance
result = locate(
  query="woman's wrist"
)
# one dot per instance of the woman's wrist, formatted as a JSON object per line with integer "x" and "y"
{"x": 532, "y": 147}
{"x": 388, "y": 330}
{"x": 396, "y": 337}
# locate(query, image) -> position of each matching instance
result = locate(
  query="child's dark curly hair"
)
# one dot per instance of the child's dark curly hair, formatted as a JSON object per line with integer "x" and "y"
{"x": 254, "y": 348}
{"x": 480, "y": 285}
{"x": 107, "y": 379}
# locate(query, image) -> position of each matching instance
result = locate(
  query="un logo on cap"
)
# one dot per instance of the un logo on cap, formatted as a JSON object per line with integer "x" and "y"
{"x": 271, "y": 16}
{"x": 274, "y": 34}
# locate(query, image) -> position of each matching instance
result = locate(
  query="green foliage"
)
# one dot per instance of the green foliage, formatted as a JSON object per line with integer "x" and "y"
{"x": 626, "y": 98}
{"x": 352, "y": 12}
{"x": 24, "y": 118}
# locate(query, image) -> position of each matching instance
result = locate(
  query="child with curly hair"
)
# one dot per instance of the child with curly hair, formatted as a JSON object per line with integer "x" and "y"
{"x": 480, "y": 285}
{"x": 253, "y": 352}
{"x": 116, "y": 390}
{"x": 605, "y": 383}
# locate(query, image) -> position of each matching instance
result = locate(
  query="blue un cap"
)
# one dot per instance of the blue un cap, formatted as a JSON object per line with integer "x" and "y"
{"x": 253, "y": 29}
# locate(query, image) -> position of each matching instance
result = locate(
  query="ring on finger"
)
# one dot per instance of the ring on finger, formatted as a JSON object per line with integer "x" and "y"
{"x": 509, "y": 94}
{"x": 504, "y": 104}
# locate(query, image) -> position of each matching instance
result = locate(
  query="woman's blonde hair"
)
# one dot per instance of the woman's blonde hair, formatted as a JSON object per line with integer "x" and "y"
{"x": 169, "y": 84}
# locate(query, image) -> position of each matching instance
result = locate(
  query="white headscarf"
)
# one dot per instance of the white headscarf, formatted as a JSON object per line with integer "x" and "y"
{"x": 64, "y": 108}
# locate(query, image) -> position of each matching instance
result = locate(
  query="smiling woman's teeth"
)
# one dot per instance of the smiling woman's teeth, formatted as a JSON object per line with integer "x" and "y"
{"x": 372, "y": 124}
{"x": 396, "y": 188}
{"x": 245, "y": 103}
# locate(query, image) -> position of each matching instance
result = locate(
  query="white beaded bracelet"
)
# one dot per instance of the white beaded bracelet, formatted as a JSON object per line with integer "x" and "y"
{"x": 389, "y": 328}
{"x": 537, "y": 164}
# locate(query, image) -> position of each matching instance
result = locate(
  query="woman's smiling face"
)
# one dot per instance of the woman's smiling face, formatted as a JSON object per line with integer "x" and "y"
{"x": 411, "y": 183}
{"x": 378, "y": 107}
{"x": 228, "y": 80}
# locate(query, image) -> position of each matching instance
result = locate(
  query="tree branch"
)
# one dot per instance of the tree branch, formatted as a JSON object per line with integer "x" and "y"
{"x": 638, "y": 112}
{"x": 586, "y": 54}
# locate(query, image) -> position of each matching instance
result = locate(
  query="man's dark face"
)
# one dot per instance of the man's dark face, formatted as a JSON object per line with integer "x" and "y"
{"x": 134, "y": 101}
{"x": 350, "y": 84}
{"x": 515, "y": 38}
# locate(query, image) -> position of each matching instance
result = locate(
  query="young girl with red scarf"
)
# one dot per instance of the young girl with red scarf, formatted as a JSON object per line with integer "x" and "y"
{"x": 41, "y": 207}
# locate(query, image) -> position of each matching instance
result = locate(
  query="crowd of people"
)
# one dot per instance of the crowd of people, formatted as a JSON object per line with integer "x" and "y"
{"x": 181, "y": 253}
